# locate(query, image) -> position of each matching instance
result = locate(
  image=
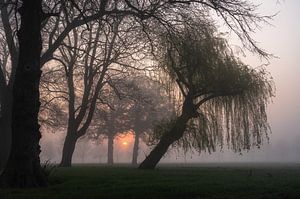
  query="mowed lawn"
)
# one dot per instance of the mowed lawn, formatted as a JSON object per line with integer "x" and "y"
{"x": 206, "y": 181}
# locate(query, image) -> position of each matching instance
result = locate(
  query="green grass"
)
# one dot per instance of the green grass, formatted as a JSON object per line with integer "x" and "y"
{"x": 206, "y": 181}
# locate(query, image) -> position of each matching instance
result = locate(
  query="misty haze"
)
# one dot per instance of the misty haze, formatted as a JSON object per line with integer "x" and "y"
{"x": 149, "y": 99}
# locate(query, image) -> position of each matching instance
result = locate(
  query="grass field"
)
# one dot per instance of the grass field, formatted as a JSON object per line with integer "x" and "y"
{"x": 176, "y": 181}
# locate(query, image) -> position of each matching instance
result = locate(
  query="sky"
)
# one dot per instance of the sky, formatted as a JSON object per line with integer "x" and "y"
{"x": 282, "y": 39}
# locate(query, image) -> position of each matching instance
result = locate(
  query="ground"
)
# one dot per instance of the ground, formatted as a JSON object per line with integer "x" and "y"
{"x": 216, "y": 181}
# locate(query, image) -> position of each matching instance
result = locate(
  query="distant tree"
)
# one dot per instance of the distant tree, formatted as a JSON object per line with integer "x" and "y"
{"x": 143, "y": 118}
{"x": 111, "y": 121}
{"x": 134, "y": 104}
{"x": 151, "y": 105}
{"x": 223, "y": 99}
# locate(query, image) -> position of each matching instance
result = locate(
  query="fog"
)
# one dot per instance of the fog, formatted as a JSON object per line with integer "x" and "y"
{"x": 282, "y": 39}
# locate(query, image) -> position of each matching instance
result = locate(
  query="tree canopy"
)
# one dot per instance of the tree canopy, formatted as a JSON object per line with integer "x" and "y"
{"x": 223, "y": 100}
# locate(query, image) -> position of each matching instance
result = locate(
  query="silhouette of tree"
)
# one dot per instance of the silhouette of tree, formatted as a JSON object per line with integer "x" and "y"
{"x": 23, "y": 168}
{"x": 223, "y": 99}
{"x": 87, "y": 67}
{"x": 9, "y": 58}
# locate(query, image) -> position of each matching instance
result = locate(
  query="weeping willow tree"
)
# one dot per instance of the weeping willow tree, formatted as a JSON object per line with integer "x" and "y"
{"x": 223, "y": 100}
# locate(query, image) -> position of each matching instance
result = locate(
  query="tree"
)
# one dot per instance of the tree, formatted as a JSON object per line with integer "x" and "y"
{"x": 222, "y": 97}
{"x": 9, "y": 58}
{"x": 151, "y": 105}
{"x": 113, "y": 118}
{"x": 114, "y": 122}
{"x": 94, "y": 68}
{"x": 88, "y": 67}
{"x": 23, "y": 167}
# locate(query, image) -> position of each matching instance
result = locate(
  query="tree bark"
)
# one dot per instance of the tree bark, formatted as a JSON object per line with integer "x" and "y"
{"x": 135, "y": 151}
{"x": 23, "y": 168}
{"x": 110, "y": 150}
{"x": 68, "y": 150}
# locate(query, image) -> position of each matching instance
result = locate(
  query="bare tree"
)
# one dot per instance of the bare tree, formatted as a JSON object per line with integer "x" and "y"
{"x": 94, "y": 67}
{"x": 9, "y": 57}
{"x": 87, "y": 56}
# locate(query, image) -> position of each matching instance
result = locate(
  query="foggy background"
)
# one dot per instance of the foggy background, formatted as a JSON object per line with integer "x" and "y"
{"x": 283, "y": 40}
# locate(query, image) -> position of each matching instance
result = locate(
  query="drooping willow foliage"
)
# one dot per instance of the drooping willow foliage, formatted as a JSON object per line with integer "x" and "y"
{"x": 239, "y": 121}
{"x": 231, "y": 98}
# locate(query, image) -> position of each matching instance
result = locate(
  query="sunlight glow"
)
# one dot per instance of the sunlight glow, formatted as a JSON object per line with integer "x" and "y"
{"x": 124, "y": 142}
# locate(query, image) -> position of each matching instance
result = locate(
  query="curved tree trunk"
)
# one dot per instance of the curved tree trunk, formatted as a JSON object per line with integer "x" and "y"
{"x": 168, "y": 138}
{"x": 110, "y": 150}
{"x": 135, "y": 151}
{"x": 23, "y": 168}
{"x": 68, "y": 150}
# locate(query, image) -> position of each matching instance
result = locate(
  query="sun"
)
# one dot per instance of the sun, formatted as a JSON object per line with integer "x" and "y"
{"x": 125, "y": 141}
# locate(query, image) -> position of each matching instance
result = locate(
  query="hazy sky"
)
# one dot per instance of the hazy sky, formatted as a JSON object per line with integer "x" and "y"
{"x": 283, "y": 40}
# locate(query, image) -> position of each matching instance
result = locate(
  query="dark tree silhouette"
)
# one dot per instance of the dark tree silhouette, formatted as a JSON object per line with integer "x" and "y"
{"x": 94, "y": 70}
{"x": 217, "y": 89}
{"x": 87, "y": 69}
{"x": 9, "y": 60}
{"x": 23, "y": 167}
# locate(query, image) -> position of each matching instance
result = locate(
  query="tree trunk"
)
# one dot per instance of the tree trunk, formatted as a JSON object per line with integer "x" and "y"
{"x": 23, "y": 168}
{"x": 135, "y": 151}
{"x": 68, "y": 150}
{"x": 110, "y": 150}
{"x": 168, "y": 138}
{"x": 5, "y": 133}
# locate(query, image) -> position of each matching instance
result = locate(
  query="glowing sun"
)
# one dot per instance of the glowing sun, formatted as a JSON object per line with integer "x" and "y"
{"x": 125, "y": 141}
